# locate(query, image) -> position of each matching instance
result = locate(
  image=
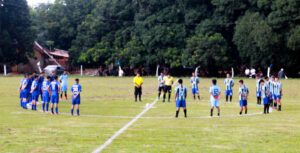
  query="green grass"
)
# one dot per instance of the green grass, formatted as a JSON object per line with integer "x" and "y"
{"x": 28, "y": 131}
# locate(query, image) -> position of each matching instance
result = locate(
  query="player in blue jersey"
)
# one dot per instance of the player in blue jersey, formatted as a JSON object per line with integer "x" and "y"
{"x": 24, "y": 91}
{"x": 46, "y": 93}
{"x": 243, "y": 96}
{"x": 30, "y": 80}
{"x": 229, "y": 83}
{"x": 258, "y": 89}
{"x": 20, "y": 90}
{"x": 52, "y": 75}
{"x": 161, "y": 84}
{"x": 195, "y": 82}
{"x": 180, "y": 96}
{"x": 76, "y": 90}
{"x": 64, "y": 85}
{"x": 272, "y": 90}
{"x": 265, "y": 93}
{"x": 215, "y": 92}
{"x": 54, "y": 88}
{"x": 34, "y": 92}
{"x": 278, "y": 92}
{"x": 41, "y": 80}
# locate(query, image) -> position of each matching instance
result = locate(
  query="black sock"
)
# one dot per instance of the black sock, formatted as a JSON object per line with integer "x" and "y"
{"x": 164, "y": 97}
{"x": 230, "y": 98}
{"x": 240, "y": 112}
{"x": 226, "y": 98}
{"x": 184, "y": 112}
{"x": 211, "y": 112}
{"x": 268, "y": 108}
{"x": 279, "y": 107}
{"x": 218, "y": 113}
{"x": 135, "y": 96}
{"x": 140, "y": 97}
{"x": 246, "y": 110}
{"x": 194, "y": 97}
{"x": 265, "y": 108}
{"x": 177, "y": 112}
{"x": 169, "y": 97}
{"x": 158, "y": 95}
{"x": 275, "y": 104}
{"x": 61, "y": 95}
{"x": 199, "y": 97}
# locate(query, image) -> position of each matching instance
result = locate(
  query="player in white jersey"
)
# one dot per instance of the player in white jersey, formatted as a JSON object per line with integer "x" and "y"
{"x": 229, "y": 83}
{"x": 243, "y": 96}
{"x": 215, "y": 92}
{"x": 258, "y": 90}
{"x": 278, "y": 92}
{"x": 195, "y": 90}
{"x": 161, "y": 84}
{"x": 180, "y": 96}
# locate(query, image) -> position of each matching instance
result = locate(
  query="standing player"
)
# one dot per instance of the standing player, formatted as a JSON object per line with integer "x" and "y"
{"x": 269, "y": 84}
{"x": 52, "y": 75}
{"x": 54, "y": 88}
{"x": 21, "y": 91}
{"x": 46, "y": 93}
{"x": 64, "y": 85}
{"x": 168, "y": 86}
{"x": 229, "y": 84}
{"x": 138, "y": 82}
{"x": 258, "y": 89}
{"x": 215, "y": 92}
{"x": 272, "y": 90}
{"x": 41, "y": 80}
{"x": 24, "y": 91}
{"x": 34, "y": 92}
{"x": 160, "y": 84}
{"x": 243, "y": 96}
{"x": 278, "y": 92}
{"x": 265, "y": 92}
{"x": 75, "y": 89}
{"x": 180, "y": 96}
{"x": 195, "y": 90}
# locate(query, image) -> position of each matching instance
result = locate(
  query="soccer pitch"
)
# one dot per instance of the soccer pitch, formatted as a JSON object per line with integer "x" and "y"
{"x": 107, "y": 104}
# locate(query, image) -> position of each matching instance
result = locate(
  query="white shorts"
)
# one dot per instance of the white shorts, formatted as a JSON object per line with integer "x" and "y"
{"x": 214, "y": 102}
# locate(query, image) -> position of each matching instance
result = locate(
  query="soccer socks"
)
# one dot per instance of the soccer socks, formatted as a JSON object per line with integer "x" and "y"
{"x": 275, "y": 104}
{"x": 72, "y": 112}
{"x": 211, "y": 112}
{"x": 246, "y": 110}
{"x": 21, "y": 102}
{"x": 47, "y": 106}
{"x": 199, "y": 97}
{"x": 230, "y": 98}
{"x": 226, "y": 98}
{"x": 177, "y": 112}
{"x": 43, "y": 106}
{"x": 56, "y": 110}
{"x": 279, "y": 107}
{"x": 169, "y": 97}
{"x": 241, "y": 112}
{"x": 52, "y": 110}
{"x": 184, "y": 113}
{"x": 194, "y": 97}
{"x": 77, "y": 112}
{"x": 259, "y": 100}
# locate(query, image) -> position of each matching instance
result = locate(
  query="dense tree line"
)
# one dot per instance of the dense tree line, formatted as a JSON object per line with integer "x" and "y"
{"x": 215, "y": 34}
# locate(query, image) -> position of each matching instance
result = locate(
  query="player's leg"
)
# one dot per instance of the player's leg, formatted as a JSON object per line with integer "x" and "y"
{"x": 226, "y": 94}
{"x": 52, "y": 104}
{"x": 66, "y": 95}
{"x": 140, "y": 94}
{"x": 212, "y": 105}
{"x": 159, "y": 92}
{"x": 246, "y": 109}
{"x": 274, "y": 101}
{"x": 135, "y": 93}
{"x": 218, "y": 108}
{"x": 165, "y": 92}
{"x": 77, "y": 109}
{"x": 279, "y": 103}
{"x": 170, "y": 91}
{"x": 177, "y": 112}
{"x": 230, "y": 94}
{"x": 194, "y": 93}
{"x": 197, "y": 91}
{"x": 241, "y": 110}
{"x": 56, "y": 107}
{"x": 44, "y": 103}
{"x": 72, "y": 106}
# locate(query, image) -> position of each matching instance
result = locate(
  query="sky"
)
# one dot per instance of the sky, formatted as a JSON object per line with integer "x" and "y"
{"x": 36, "y": 2}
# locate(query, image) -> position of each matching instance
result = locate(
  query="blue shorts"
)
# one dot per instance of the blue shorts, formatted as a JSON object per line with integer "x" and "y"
{"x": 228, "y": 93}
{"x": 195, "y": 91}
{"x": 214, "y": 103}
{"x": 46, "y": 98}
{"x": 64, "y": 88}
{"x": 54, "y": 99}
{"x": 75, "y": 101}
{"x": 24, "y": 93}
{"x": 258, "y": 93}
{"x": 180, "y": 103}
{"x": 278, "y": 96}
{"x": 243, "y": 103}
{"x": 35, "y": 96}
{"x": 266, "y": 100}
{"x": 274, "y": 97}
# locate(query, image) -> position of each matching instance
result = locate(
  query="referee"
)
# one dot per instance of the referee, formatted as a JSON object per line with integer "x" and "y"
{"x": 138, "y": 82}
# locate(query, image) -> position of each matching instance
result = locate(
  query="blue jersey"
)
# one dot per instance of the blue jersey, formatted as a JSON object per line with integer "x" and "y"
{"x": 258, "y": 88}
{"x": 24, "y": 83}
{"x": 265, "y": 90}
{"x": 243, "y": 92}
{"x": 29, "y": 83}
{"x": 215, "y": 90}
{"x": 271, "y": 85}
{"x": 195, "y": 81}
{"x": 229, "y": 83}
{"x": 34, "y": 87}
{"x": 41, "y": 80}
{"x": 181, "y": 92}
{"x": 161, "y": 81}
{"x": 277, "y": 87}
{"x": 45, "y": 87}
{"x": 54, "y": 88}
{"x": 75, "y": 89}
{"x": 64, "y": 79}
{"x": 51, "y": 77}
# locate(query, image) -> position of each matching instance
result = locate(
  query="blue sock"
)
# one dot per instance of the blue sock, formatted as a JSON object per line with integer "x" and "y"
{"x": 21, "y": 102}
{"x": 71, "y": 111}
{"x": 47, "y": 106}
{"x": 52, "y": 110}
{"x": 56, "y": 110}
{"x": 34, "y": 106}
{"x": 77, "y": 111}
{"x": 43, "y": 106}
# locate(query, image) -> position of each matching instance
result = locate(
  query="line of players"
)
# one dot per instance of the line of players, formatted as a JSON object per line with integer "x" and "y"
{"x": 33, "y": 86}
{"x": 270, "y": 91}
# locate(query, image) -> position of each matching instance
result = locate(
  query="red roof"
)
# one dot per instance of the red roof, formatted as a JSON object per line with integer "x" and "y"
{"x": 60, "y": 53}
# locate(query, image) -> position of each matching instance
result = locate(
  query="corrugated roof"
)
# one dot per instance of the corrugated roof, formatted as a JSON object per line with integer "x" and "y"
{"x": 61, "y": 53}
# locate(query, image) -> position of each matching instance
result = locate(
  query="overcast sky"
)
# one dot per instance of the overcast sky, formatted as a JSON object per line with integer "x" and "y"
{"x": 36, "y": 2}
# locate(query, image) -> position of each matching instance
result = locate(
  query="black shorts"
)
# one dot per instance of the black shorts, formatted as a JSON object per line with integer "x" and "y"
{"x": 137, "y": 91}
{"x": 160, "y": 89}
{"x": 168, "y": 89}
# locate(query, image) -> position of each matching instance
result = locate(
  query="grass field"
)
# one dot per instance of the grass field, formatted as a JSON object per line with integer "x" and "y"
{"x": 107, "y": 105}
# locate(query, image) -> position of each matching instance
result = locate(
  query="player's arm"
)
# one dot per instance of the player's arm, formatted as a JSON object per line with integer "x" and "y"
{"x": 185, "y": 94}
{"x": 77, "y": 94}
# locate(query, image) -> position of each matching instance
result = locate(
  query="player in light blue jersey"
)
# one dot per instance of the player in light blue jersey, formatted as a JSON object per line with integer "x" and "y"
{"x": 24, "y": 91}
{"x": 21, "y": 91}
{"x": 265, "y": 93}
{"x": 243, "y": 97}
{"x": 41, "y": 80}
{"x": 278, "y": 92}
{"x": 258, "y": 89}
{"x": 215, "y": 92}
{"x": 64, "y": 85}
{"x": 195, "y": 82}
{"x": 271, "y": 85}
{"x": 76, "y": 90}
{"x": 54, "y": 88}
{"x": 34, "y": 92}
{"x": 229, "y": 85}
{"x": 45, "y": 89}
{"x": 161, "y": 84}
{"x": 180, "y": 96}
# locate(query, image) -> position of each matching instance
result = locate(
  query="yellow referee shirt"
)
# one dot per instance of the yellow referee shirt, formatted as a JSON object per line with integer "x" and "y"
{"x": 137, "y": 81}
{"x": 168, "y": 81}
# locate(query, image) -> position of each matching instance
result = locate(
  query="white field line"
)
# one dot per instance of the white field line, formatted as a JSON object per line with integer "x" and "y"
{"x": 111, "y": 139}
